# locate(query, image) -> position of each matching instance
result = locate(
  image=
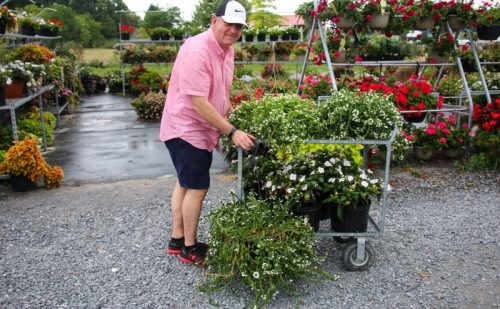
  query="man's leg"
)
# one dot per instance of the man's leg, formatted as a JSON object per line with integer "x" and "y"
{"x": 191, "y": 210}
{"x": 177, "y": 217}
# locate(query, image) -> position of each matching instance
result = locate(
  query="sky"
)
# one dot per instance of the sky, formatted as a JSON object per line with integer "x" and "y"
{"x": 187, "y": 6}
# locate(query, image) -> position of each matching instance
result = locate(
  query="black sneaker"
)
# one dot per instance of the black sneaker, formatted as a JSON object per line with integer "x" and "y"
{"x": 175, "y": 246}
{"x": 194, "y": 255}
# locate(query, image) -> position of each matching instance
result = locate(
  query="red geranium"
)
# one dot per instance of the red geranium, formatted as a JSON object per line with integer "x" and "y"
{"x": 415, "y": 95}
{"x": 487, "y": 117}
{"x": 127, "y": 29}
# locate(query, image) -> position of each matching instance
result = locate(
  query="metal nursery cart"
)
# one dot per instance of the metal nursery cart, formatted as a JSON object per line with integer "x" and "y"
{"x": 359, "y": 254}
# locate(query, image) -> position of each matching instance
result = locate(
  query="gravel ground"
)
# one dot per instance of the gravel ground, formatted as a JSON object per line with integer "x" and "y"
{"x": 103, "y": 246}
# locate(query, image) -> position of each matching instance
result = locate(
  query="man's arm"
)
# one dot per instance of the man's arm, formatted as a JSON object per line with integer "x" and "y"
{"x": 210, "y": 114}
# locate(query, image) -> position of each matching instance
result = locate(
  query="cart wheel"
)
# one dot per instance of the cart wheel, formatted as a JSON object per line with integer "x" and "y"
{"x": 349, "y": 257}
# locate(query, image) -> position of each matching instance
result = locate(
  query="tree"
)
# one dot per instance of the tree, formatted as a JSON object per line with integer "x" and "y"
{"x": 168, "y": 18}
{"x": 261, "y": 17}
{"x": 202, "y": 15}
{"x": 89, "y": 31}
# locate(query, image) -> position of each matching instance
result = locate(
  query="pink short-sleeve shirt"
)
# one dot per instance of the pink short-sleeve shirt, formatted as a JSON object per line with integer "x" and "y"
{"x": 202, "y": 68}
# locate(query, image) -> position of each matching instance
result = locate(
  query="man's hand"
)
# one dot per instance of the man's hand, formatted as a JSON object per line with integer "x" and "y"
{"x": 243, "y": 140}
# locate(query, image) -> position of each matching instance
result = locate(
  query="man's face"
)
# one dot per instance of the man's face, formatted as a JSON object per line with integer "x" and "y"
{"x": 225, "y": 34}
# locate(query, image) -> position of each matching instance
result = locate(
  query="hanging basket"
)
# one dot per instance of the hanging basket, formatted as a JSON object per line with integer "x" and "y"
{"x": 455, "y": 23}
{"x": 490, "y": 33}
{"x": 379, "y": 21}
{"x": 345, "y": 23}
{"x": 435, "y": 57}
{"x": 340, "y": 59}
{"x": 424, "y": 24}
{"x": 414, "y": 117}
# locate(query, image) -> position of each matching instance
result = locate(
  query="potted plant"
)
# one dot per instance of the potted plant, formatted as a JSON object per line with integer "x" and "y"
{"x": 304, "y": 10}
{"x": 461, "y": 14}
{"x": 49, "y": 28}
{"x": 441, "y": 46}
{"x": 488, "y": 22}
{"x": 28, "y": 25}
{"x": 262, "y": 34}
{"x": 7, "y": 20}
{"x": 159, "y": 33}
{"x": 23, "y": 76}
{"x": 126, "y": 31}
{"x": 415, "y": 96}
{"x": 243, "y": 248}
{"x": 275, "y": 32}
{"x": 422, "y": 13}
{"x": 361, "y": 115}
{"x": 149, "y": 106}
{"x": 314, "y": 86}
{"x": 250, "y": 34}
{"x": 177, "y": 33}
{"x": 24, "y": 162}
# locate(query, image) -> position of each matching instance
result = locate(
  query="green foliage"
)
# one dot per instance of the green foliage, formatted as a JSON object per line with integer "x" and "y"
{"x": 90, "y": 31}
{"x": 168, "y": 18}
{"x": 260, "y": 245}
{"x": 240, "y": 70}
{"x": 274, "y": 70}
{"x": 30, "y": 124}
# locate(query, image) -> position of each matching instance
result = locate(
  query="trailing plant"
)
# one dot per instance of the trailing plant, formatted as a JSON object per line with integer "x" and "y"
{"x": 261, "y": 246}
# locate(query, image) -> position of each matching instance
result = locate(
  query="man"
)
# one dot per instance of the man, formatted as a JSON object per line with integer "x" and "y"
{"x": 195, "y": 114}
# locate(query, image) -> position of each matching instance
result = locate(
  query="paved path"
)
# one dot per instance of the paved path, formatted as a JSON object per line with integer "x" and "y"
{"x": 105, "y": 141}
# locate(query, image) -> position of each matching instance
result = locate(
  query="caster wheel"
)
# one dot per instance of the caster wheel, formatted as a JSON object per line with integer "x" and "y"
{"x": 349, "y": 257}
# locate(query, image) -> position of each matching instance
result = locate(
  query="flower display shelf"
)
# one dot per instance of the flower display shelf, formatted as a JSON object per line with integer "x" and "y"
{"x": 13, "y": 104}
{"x": 357, "y": 255}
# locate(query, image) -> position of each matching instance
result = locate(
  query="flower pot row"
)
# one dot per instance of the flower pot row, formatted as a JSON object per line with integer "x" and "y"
{"x": 272, "y": 38}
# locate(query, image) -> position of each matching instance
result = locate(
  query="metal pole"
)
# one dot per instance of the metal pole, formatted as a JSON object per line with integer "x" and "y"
{"x": 478, "y": 64}
{"x": 240, "y": 174}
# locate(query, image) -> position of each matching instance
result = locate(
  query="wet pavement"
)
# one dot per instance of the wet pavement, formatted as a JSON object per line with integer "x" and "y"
{"x": 105, "y": 141}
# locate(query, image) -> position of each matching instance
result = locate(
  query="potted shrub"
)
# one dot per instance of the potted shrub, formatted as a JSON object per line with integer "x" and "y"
{"x": 24, "y": 162}
{"x": 243, "y": 248}
{"x": 126, "y": 31}
{"x": 7, "y": 20}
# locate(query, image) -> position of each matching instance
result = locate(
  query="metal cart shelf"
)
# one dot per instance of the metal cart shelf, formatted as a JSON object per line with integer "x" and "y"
{"x": 358, "y": 255}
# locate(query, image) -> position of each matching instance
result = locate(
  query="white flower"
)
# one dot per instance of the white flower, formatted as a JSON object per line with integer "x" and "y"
{"x": 347, "y": 163}
{"x": 331, "y": 180}
{"x": 8, "y": 81}
{"x": 328, "y": 164}
{"x": 364, "y": 184}
{"x": 389, "y": 188}
{"x": 350, "y": 178}
{"x": 321, "y": 170}
{"x": 269, "y": 184}
{"x": 304, "y": 187}
{"x": 302, "y": 178}
{"x": 273, "y": 188}
{"x": 256, "y": 275}
{"x": 293, "y": 177}
{"x": 289, "y": 190}
{"x": 333, "y": 160}
{"x": 373, "y": 181}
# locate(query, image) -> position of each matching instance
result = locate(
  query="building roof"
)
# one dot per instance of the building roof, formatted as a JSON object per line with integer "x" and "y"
{"x": 292, "y": 20}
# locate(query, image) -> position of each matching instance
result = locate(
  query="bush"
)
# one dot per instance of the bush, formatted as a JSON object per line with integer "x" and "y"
{"x": 33, "y": 53}
{"x": 150, "y": 106}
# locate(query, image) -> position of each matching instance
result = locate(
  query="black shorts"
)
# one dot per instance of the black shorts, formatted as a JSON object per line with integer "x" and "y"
{"x": 191, "y": 164}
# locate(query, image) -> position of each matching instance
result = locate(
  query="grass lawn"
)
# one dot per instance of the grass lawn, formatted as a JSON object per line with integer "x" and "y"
{"x": 106, "y": 56}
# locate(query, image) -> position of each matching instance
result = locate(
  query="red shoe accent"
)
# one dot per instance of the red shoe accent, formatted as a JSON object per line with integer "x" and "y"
{"x": 173, "y": 251}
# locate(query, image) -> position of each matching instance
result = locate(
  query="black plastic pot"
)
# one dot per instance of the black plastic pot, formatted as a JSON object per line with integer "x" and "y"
{"x": 21, "y": 183}
{"x": 489, "y": 33}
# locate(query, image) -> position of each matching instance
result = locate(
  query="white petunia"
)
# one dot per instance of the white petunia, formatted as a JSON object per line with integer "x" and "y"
{"x": 346, "y": 163}
{"x": 328, "y": 164}
{"x": 350, "y": 178}
{"x": 331, "y": 180}
{"x": 293, "y": 177}
{"x": 333, "y": 160}
{"x": 374, "y": 181}
{"x": 289, "y": 190}
{"x": 364, "y": 184}
{"x": 304, "y": 187}
{"x": 321, "y": 170}
{"x": 302, "y": 178}
{"x": 269, "y": 184}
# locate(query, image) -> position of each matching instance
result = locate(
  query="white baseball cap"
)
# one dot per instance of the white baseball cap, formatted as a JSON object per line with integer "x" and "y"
{"x": 232, "y": 12}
